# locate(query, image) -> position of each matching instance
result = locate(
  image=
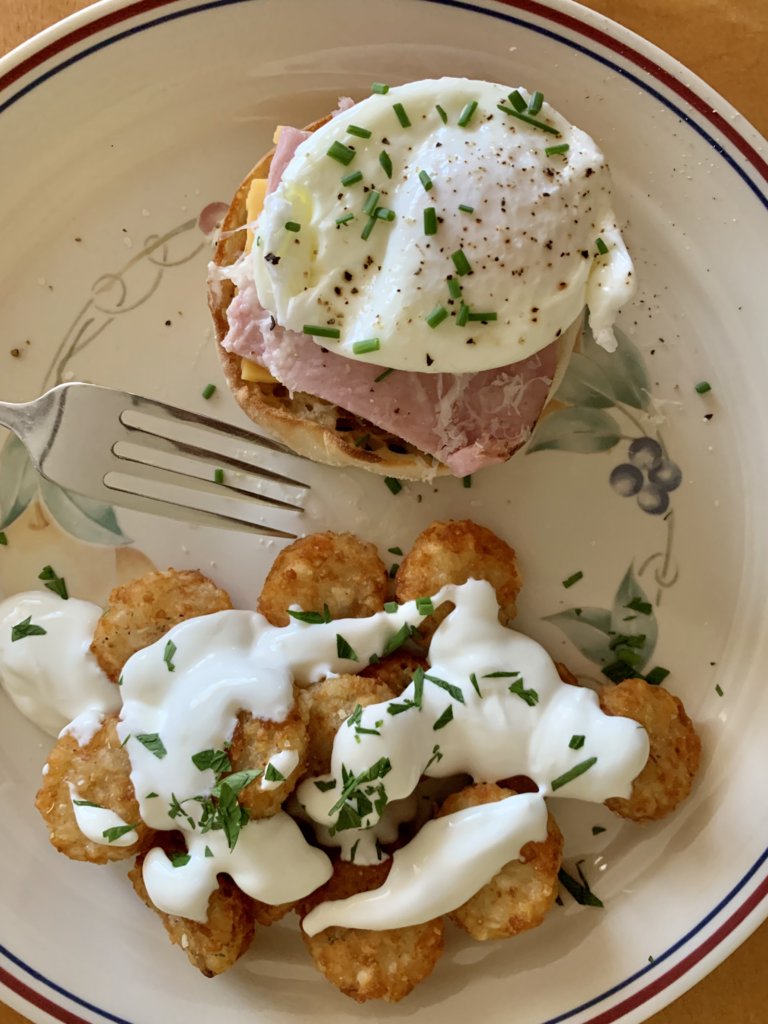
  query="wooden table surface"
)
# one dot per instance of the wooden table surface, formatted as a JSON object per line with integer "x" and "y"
{"x": 725, "y": 42}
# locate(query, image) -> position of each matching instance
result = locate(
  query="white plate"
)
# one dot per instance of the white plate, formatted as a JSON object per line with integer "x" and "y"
{"x": 117, "y": 128}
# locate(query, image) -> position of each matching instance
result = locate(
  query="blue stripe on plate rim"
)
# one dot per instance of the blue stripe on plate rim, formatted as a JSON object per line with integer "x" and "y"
{"x": 692, "y": 123}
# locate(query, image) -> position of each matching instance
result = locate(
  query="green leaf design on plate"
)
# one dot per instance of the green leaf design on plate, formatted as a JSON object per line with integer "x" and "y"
{"x": 597, "y": 633}
{"x": 588, "y": 629}
{"x": 84, "y": 518}
{"x": 18, "y": 480}
{"x": 586, "y": 384}
{"x": 624, "y": 368}
{"x": 576, "y": 430}
{"x": 640, "y": 625}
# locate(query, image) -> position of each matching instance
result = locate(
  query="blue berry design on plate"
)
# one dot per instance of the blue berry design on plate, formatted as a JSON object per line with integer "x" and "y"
{"x": 648, "y": 475}
{"x": 597, "y": 381}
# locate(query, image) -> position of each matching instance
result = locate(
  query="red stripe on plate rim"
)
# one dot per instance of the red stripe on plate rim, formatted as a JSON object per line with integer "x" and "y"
{"x": 704, "y": 108}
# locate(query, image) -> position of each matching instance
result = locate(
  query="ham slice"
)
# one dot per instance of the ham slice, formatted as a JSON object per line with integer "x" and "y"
{"x": 467, "y": 420}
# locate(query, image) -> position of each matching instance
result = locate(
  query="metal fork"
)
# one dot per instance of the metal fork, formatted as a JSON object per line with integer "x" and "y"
{"x": 137, "y": 453}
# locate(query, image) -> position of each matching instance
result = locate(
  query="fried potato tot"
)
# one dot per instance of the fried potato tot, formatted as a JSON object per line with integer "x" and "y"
{"x": 218, "y": 944}
{"x": 675, "y": 752}
{"x": 99, "y": 772}
{"x": 142, "y": 611}
{"x": 454, "y": 552}
{"x": 335, "y": 569}
{"x": 365, "y": 964}
{"x": 519, "y": 896}
{"x": 255, "y": 742}
{"x": 327, "y": 705}
{"x": 396, "y": 671}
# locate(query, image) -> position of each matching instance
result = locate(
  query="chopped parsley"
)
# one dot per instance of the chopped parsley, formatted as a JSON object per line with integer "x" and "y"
{"x": 530, "y": 697}
{"x": 437, "y": 755}
{"x": 572, "y": 773}
{"x": 576, "y": 742}
{"x": 180, "y": 860}
{"x": 398, "y": 639}
{"x": 453, "y": 691}
{"x": 637, "y": 604}
{"x": 26, "y": 628}
{"x": 444, "y": 719}
{"x": 54, "y": 582}
{"x": 657, "y": 675}
{"x": 475, "y": 684}
{"x": 325, "y": 786}
{"x": 597, "y": 830}
{"x": 208, "y": 851}
{"x": 168, "y": 653}
{"x": 344, "y": 649}
{"x": 111, "y": 834}
{"x": 272, "y": 774}
{"x": 314, "y": 618}
{"x": 580, "y": 890}
{"x": 153, "y": 743}
{"x": 216, "y": 760}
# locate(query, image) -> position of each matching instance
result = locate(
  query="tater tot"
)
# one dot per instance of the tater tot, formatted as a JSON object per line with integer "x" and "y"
{"x": 366, "y": 964}
{"x": 395, "y": 671}
{"x": 335, "y": 569}
{"x": 520, "y": 895}
{"x": 327, "y": 705}
{"x": 255, "y": 743}
{"x": 675, "y": 752}
{"x": 454, "y": 552}
{"x": 99, "y": 773}
{"x": 142, "y": 611}
{"x": 215, "y": 946}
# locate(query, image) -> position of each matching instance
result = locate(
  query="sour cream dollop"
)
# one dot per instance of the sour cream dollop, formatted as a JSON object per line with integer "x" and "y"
{"x": 465, "y": 192}
{"x": 48, "y": 671}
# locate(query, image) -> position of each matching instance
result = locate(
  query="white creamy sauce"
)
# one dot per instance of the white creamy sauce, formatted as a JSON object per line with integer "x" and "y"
{"x": 529, "y": 240}
{"x": 52, "y": 677}
{"x": 271, "y": 862}
{"x": 93, "y": 822}
{"x": 465, "y": 849}
{"x": 490, "y": 706}
{"x": 85, "y": 726}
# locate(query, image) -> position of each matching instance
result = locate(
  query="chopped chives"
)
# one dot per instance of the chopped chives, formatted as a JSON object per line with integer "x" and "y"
{"x": 369, "y": 226}
{"x": 454, "y": 288}
{"x": 424, "y": 605}
{"x": 386, "y": 162}
{"x": 718, "y": 690}
{"x": 703, "y": 387}
{"x": 442, "y": 113}
{"x": 436, "y": 317}
{"x": 361, "y": 133}
{"x": 384, "y": 374}
{"x": 368, "y": 345}
{"x": 463, "y": 315}
{"x": 573, "y": 579}
{"x": 402, "y": 117}
{"x": 597, "y": 829}
{"x": 382, "y": 213}
{"x": 577, "y": 742}
{"x": 380, "y": 88}
{"x": 391, "y": 607}
{"x": 321, "y": 332}
{"x": 601, "y": 247}
{"x": 218, "y": 476}
{"x": 425, "y": 180}
{"x": 529, "y": 120}
{"x": 537, "y": 101}
{"x": 430, "y": 221}
{"x": 482, "y": 317}
{"x": 353, "y": 178}
{"x": 395, "y": 551}
{"x": 572, "y": 773}
{"x": 466, "y": 481}
{"x": 291, "y": 225}
{"x": 657, "y": 675}
{"x": 208, "y": 391}
{"x": 393, "y": 484}
{"x": 557, "y": 150}
{"x": 370, "y": 203}
{"x": 466, "y": 115}
{"x": 466, "y": 209}
{"x": 338, "y": 151}
{"x": 345, "y": 219}
{"x": 394, "y": 567}
{"x": 3, "y": 540}
{"x": 517, "y": 100}
{"x": 461, "y": 263}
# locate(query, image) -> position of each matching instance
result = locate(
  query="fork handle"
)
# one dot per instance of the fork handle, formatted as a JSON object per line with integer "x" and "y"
{"x": 12, "y": 415}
